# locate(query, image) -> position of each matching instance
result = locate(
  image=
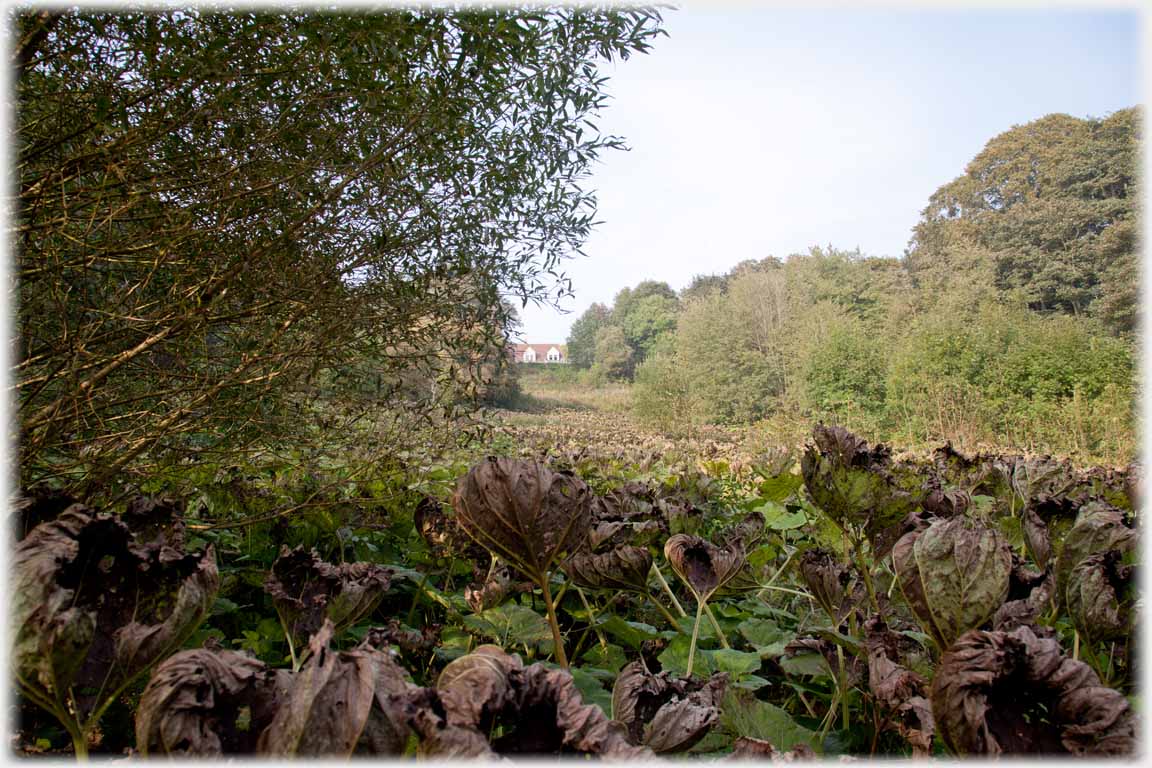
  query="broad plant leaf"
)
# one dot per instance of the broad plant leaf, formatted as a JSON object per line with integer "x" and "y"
{"x": 666, "y": 713}
{"x": 307, "y": 591}
{"x": 339, "y": 704}
{"x": 954, "y": 575}
{"x": 512, "y": 623}
{"x": 989, "y": 685}
{"x": 622, "y": 568}
{"x": 743, "y": 715}
{"x": 524, "y": 512}
{"x": 701, "y": 565}
{"x": 208, "y": 703}
{"x": 96, "y": 605}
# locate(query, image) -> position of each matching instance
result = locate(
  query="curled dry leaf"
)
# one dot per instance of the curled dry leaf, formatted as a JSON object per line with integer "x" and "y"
{"x": 195, "y": 701}
{"x": 1029, "y": 594}
{"x": 1099, "y": 596}
{"x": 438, "y": 738}
{"x": 307, "y": 591}
{"x": 36, "y": 505}
{"x": 1036, "y": 537}
{"x": 946, "y": 502}
{"x": 523, "y": 512}
{"x": 746, "y": 533}
{"x": 703, "y": 566}
{"x": 339, "y": 704}
{"x": 1099, "y": 527}
{"x": 1016, "y": 693}
{"x": 540, "y": 709}
{"x": 411, "y": 641}
{"x": 481, "y": 597}
{"x": 828, "y": 581}
{"x": 903, "y": 692}
{"x": 94, "y": 608}
{"x": 625, "y": 568}
{"x": 748, "y": 748}
{"x": 954, "y": 575}
{"x": 852, "y": 483}
{"x": 664, "y": 713}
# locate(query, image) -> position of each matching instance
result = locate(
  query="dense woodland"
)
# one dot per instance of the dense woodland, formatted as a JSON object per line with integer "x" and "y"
{"x": 1010, "y": 320}
{"x": 281, "y": 493}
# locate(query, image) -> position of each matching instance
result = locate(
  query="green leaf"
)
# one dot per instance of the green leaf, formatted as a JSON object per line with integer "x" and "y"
{"x": 735, "y": 662}
{"x": 778, "y": 518}
{"x": 674, "y": 658}
{"x": 591, "y": 690}
{"x": 742, "y": 714}
{"x": 512, "y": 624}
{"x": 807, "y": 663}
{"x": 611, "y": 658}
{"x": 631, "y": 633}
{"x": 766, "y": 637}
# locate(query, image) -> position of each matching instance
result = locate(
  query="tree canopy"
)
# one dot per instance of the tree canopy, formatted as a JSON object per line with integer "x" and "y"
{"x": 217, "y": 211}
{"x": 1051, "y": 208}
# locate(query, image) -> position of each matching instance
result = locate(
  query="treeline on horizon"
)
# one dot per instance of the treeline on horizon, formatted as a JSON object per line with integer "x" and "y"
{"x": 1011, "y": 318}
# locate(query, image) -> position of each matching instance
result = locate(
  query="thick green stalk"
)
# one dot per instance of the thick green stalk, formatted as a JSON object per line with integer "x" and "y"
{"x": 668, "y": 590}
{"x": 695, "y": 632}
{"x": 666, "y": 613}
{"x": 716, "y": 626}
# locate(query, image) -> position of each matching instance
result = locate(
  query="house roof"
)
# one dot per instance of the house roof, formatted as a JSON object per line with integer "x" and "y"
{"x": 541, "y": 349}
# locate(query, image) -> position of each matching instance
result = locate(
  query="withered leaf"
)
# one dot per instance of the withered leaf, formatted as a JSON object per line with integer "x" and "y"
{"x": 306, "y": 591}
{"x": 828, "y": 581}
{"x": 438, "y": 738}
{"x": 625, "y": 568}
{"x": 852, "y": 483}
{"x": 703, "y": 566}
{"x": 1098, "y": 596}
{"x": 523, "y": 512}
{"x": 539, "y": 709}
{"x": 476, "y": 686}
{"x": 553, "y": 719}
{"x": 1036, "y": 537}
{"x": 748, "y": 748}
{"x": 665, "y": 713}
{"x": 1099, "y": 527}
{"x": 900, "y": 690}
{"x": 954, "y": 575}
{"x": 481, "y": 597}
{"x": 340, "y": 704}
{"x": 992, "y": 689}
{"x": 193, "y": 704}
{"x": 94, "y": 608}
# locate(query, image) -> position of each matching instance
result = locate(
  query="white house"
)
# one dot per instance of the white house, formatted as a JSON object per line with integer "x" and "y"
{"x": 539, "y": 353}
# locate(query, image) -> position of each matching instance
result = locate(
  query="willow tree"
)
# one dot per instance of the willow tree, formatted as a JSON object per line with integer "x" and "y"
{"x": 217, "y": 213}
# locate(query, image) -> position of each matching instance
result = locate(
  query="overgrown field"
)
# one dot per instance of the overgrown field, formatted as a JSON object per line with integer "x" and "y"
{"x": 621, "y": 597}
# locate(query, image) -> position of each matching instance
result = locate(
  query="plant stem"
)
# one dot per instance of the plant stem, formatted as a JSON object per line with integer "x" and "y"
{"x": 867, "y": 574}
{"x": 557, "y": 641}
{"x": 695, "y": 632}
{"x": 666, "y": 613}
{"x": 842, "y": 682}
{"x": 592, "y": 618}
{"x": 1075, "y": 645}
{"x": 79, "y": 742}
{"x": 716, "y": 627}
{"x": 416, "y": 598}
{"x": 668, "y": 590}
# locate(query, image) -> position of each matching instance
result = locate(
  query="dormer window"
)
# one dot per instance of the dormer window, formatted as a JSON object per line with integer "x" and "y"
{"x": 553, "y": 355}
{"x": 529, "y": 355}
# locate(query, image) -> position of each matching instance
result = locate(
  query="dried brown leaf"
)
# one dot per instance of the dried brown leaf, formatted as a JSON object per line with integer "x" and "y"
{"x": 195, "y": 701}
{"x": 1014, "y": 692}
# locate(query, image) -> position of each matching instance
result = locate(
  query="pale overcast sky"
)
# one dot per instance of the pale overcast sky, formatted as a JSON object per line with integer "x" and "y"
{"x": 764, "y": 131}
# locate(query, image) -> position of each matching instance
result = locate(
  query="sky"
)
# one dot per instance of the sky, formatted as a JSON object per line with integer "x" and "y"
{"x": 765, "y": 131}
